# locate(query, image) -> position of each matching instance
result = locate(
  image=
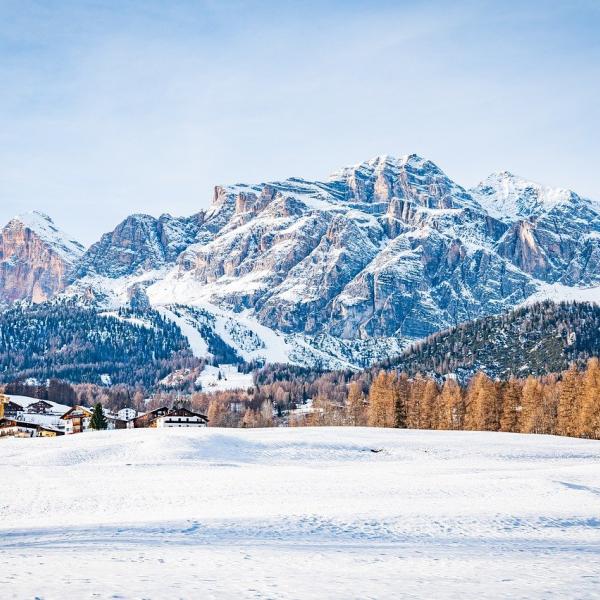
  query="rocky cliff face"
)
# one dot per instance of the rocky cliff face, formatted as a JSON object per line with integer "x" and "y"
{"x": 554, "y": 234}
{"x": 389, "y": 247}
{"x": 140, "y": 243}
{"x": 35, "y": 259}
{"x": 381, "y": 253}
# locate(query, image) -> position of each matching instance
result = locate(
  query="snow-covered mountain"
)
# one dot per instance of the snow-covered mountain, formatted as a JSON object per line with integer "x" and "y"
{"x": 35, "y": 258}
{"x": 509, "y": 197}
{"x": 140, "y": 243}
{"x": 349, "y": 270}
{"x": 554, "y": 234}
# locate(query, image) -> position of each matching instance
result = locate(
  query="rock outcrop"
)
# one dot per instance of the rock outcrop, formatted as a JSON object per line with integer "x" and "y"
{"x": 140, "y": 243}
{"x": 35, "y": 259}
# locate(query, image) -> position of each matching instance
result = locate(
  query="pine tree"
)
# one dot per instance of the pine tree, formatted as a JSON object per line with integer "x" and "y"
{"x": 98, "y": 420}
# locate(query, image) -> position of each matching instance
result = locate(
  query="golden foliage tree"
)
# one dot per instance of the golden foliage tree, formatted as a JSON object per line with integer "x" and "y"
{"x": 589, "y": 416}
{"x": 482, "y": 405}
{"x": 381, "y": 410}
{"x": 414, "y": 405}
{"x": 452, "y": 406}
{"x": 217, "y": 414}
{"x": 568, "y": 403}
{"x": 355, "y": 406}
{"x": 511, "y": 405}
{"x": 387, "y": 400}
{"x": 532, "y": 420}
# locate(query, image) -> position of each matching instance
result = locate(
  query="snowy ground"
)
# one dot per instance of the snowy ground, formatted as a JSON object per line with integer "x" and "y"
{"x": 231, "y": 378}
{"x": 299, "y": 513}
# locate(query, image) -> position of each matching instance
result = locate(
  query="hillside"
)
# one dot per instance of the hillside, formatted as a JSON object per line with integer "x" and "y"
{"x": 78, "y": 344}
{"x": 269, "y": 513}
{"x": 536, "y": 339}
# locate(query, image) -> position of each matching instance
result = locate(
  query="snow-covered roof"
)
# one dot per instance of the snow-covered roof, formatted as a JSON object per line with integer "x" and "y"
{"x": 26, "y": 401}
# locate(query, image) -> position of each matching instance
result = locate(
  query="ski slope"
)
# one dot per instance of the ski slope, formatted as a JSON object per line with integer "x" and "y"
{"x": 299, "y": 513}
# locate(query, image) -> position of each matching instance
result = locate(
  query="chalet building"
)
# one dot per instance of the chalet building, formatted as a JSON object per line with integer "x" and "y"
{"x": 48, "y": 431}
{"x": 12, "y": 410}
{"x": 14, "y": 428}
{"x": 146, "y": 419}
{"x": 114, "y": 422}
{"x": 181, "y": 417}
{"x": 173, "y": 417}
{"x": 41, "y": 407}
{"x": 3, "y": 400}
{"x": 25, "y": 429}
{"x": 8, "y": 427}
{"x": 77, "y": 419}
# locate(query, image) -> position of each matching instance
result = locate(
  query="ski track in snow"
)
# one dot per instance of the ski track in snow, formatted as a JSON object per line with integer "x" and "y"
{"x": 197, "y": 343}
{"x": 299, "y": 513}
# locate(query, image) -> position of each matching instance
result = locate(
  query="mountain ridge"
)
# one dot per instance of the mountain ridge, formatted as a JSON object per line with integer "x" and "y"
{"x": 382, "y": 253}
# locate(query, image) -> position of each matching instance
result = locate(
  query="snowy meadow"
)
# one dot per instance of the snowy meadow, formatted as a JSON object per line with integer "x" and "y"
{"x": 288, "y": 513}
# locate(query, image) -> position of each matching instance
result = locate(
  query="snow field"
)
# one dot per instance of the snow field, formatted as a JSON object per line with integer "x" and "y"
{"x": 231, "y": 378}
{"x": 294, "y": 513}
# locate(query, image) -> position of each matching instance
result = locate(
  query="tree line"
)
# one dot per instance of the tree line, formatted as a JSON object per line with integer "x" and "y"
{"x": 567, "y": 404}
{"x": 563, "y": 404}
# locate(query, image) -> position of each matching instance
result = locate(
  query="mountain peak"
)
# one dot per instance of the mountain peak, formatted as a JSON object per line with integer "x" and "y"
{"x": 508, "y": 196}
{"x": 35, "y": 258}
{"x": 410, "y": 177}
{"x": 380, "y": 163}
{"x": 33, "y": 220}
{"x": 44, "y": 227}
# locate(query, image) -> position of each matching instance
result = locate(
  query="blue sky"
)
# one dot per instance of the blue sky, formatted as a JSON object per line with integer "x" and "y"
{"x": 114, "y": 107}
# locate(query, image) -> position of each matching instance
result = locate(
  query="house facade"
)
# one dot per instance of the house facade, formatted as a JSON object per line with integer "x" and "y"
{"x": 114, "y": 422}
{"x": 12, "y": 410}
{"x": 77, "y": 419}
{"x": 181, "y": 417}
{"x": 41, "y": 407}
{"x": 48, "y": 431}
{"x": 127, "y": 414}
{"x": 146, "y": 419}
{"x": 170, "y": 417}
{"x": 14, "y": 428}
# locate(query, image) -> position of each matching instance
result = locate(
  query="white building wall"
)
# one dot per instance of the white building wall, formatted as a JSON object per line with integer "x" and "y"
{"x": 126, "y": 414}
{"x": 179, "y": 422}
